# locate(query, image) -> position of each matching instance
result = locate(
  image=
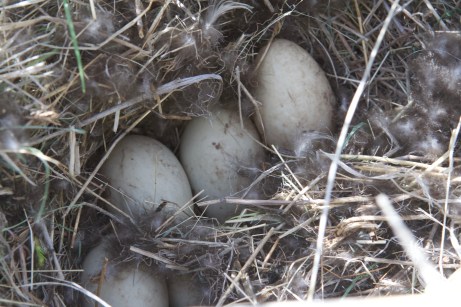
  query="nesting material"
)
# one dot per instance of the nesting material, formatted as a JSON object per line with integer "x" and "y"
{"x": 221, "y": 157}
{"x": 423, "y": 126}
{"x": 144, "y": 176}
{"x": 295, "y": 94}
{"x": 66, "y": 96}
{"x": 10, "y": 121}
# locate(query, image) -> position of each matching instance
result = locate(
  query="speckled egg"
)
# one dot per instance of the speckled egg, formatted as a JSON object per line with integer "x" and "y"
{"x": 220, "y": 157}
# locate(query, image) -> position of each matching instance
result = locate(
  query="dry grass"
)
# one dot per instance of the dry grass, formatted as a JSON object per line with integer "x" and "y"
{"x": 147, "y": 67}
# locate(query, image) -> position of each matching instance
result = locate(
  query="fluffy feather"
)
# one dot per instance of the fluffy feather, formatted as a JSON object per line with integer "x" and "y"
{"x": 210, "y": 28}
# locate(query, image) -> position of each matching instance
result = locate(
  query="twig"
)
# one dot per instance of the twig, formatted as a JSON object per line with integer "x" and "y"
{"x": 454, "y": 137}
{"x": 245, "y": 267}
{"x": 339, "y": 147}
{"x": 409, "y": 244}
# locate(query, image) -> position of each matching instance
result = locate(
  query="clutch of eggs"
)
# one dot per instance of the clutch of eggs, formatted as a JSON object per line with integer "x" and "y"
{"x": 220, "y": 155}
{"x": 123, "y": 285}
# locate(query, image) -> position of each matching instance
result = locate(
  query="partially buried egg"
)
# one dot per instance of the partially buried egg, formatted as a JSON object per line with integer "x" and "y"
{"x": 143, "y": 174}
{"x": 220, "y": 156}
{"x": 120, "y": 284}
{"x": 295, "y": 94}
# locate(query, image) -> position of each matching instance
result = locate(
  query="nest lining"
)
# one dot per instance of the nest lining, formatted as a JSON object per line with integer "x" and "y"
{"x": 150, "y": 66}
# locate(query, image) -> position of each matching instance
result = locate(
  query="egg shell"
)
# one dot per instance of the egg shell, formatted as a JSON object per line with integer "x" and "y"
{"x": 186, "y": 290}
{"x": 214, "y": 151}
{"x": 142, "y": 173}
{"x": 295, "y": 94}
{"x": 123, "y": 285}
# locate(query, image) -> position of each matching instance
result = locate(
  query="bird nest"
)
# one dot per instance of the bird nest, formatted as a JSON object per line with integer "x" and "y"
{"x": 77, "y": 76}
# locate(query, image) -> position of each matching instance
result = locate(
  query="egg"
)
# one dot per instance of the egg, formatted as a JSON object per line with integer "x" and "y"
{"x": 121, "y": 285}
{"x": 186, "y": 290}
{"x": 216, "y": 153}
{"x": 142, "y": 174}
{"x": 294, "y": 92}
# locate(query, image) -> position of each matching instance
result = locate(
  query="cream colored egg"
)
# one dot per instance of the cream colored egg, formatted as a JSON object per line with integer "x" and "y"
{"x": 142, "y": 174}
{"x": 186, "y": 290}
{"x": 295, "y": 94}
{"x": 121, "y": 285}
{"x": 217, "y": 155}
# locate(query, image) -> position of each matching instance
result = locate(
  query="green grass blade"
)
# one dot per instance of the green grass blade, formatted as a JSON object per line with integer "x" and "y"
{"x": 73, "y": 38}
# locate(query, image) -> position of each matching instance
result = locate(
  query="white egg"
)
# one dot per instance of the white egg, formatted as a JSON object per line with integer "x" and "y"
{"x": 216, "y": 153}
{"x": 295, "y": 94}
{"x": 143, "y": 173}
{"x": 186, "y": 290}
{"x": 122, "y": 285}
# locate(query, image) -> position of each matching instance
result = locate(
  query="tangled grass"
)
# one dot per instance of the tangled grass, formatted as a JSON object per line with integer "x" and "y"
{"x": 75, "y": 77}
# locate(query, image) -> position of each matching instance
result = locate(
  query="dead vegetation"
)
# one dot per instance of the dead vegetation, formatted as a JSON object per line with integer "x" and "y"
{"x": 74, "y": 82}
